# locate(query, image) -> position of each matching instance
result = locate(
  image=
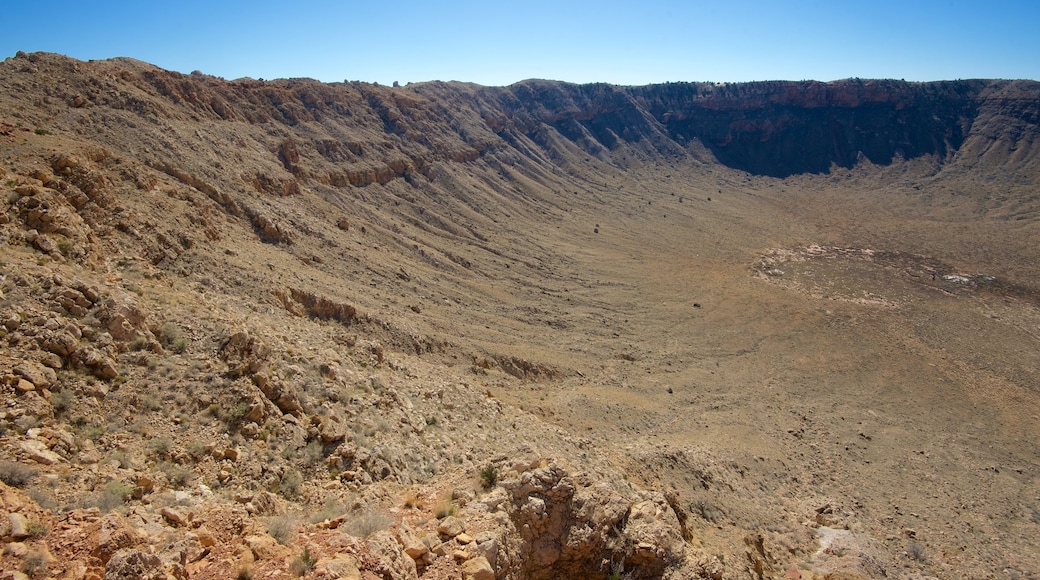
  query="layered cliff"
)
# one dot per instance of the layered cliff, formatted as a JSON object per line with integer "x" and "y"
{"x": 350, "y": 134}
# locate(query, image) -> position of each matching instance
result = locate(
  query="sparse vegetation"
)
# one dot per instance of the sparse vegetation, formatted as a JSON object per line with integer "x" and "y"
{"x": 367, "y": 523}
{"x": 313, "y": 452}
{"x": 444, "y": 508}
{"x": 62, "y": 401}
{"x": 112, "y": 495}
{"x": 203, "y": 273}
{"x": 282, "y": 528}
{"x": 916, "y": 551}
{"x": 15, "y": 474}
{"x": 172, "y": 337}
{"x": 179, "y": 476}
{"x": 290, "y": 483}
{"x": 36, "y": 529}
{"x": 35, "y": 563}
{"x": 488, "y": 476}
{"x": 303, "y": 563}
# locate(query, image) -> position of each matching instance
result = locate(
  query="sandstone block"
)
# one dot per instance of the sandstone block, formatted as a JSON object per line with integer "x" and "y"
{"x": 35, "y": 374}
{"x": 173, "y": 516}
{"x": 477, "y": 569}
{"x": 19, "y": 526}
{"x": 38, "y": 452}
{"x": 131, "y": 564}
{"x": 451, "y": 526}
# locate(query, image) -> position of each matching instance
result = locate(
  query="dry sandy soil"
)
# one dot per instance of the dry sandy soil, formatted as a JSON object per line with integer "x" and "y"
{"x": 829, "y": 375}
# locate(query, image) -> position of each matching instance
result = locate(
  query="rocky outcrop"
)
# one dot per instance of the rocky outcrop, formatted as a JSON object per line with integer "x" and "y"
{"x": 373, "y": 134}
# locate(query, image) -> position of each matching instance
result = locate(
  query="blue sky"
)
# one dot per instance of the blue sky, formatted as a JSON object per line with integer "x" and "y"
{"x": 622, "y": 42}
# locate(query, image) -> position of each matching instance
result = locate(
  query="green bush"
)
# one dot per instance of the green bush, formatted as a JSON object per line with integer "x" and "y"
{"x": 488, "y": 476}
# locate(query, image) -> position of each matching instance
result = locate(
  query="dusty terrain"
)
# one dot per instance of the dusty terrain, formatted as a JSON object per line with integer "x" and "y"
{"x": 265, "y": 329}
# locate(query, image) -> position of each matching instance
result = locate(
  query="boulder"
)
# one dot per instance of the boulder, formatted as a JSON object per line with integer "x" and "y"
{"x": 341, "y": 567}
{"x": 477, "y": 569}
{"x": 451, "y": 526}
{"x": 114, "y": 536}
{"x": 38, "y": 452}
{"x": 19, "y": 526}
{"x": 36, "y": 374}
{"x": 133, "y": 564}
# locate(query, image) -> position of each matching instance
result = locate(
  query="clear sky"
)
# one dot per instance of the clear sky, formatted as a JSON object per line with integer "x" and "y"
{"x": 498, "y": 43}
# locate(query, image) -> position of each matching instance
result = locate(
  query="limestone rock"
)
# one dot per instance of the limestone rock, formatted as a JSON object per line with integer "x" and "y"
{"x": 37, "y": 451}
{"x": 133, "y": 564}
{"x": 266, "y": 548}
{"x": 244, "y": 354}
{"x": 451, "y": 526}
{"x": 124, "y": 320}
{"x": 396, "y": 564}
{"x": 36, "y": 374}
{"x": 60, "y": 343}
{"x": 114, "y": 535}
{"x": 477, "y": 569}
{"x": 342, "y": 567}
{"x": 19, "y": 526}
{"x": 173, "y": 516}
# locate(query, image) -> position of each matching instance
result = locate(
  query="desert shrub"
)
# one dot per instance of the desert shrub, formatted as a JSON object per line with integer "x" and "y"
{"x": 916, "y": 551}
{"x": 36, "y": 529}
{"x": 43, "y": 498}
{"x": 178, "y": 475}
{"x": 118, "y": 489}
{"x": 708, "y": 510}
{"x": 282, "y": 528}
{"x": 332, "y": 508}
{"x": 114, "y": 494}
{"x": 151, "y": 401}
{"x": 15, "y": 474}
{"x": 303, "y": 563}
{"x": 443, "y": 509}
{"x": 120, "y": 457}
{"x": 313, "y": 452}
{"x": 172, "y": 337}
{"x": 161, "y": 446}
{"x": 62, "y": 401}
{"x": 367, "y": 523}
{"x": 488, "y": 476}
{"x": 138, "y": 343}
{"x": 92, "y": 432}
{"x": 290, "y": 483}
{"x": 35, "y": 564}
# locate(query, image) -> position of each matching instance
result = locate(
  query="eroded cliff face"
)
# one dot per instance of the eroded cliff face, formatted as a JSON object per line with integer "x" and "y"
{"x": 354, "y": 134}
{"x": 782, "y": 128}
